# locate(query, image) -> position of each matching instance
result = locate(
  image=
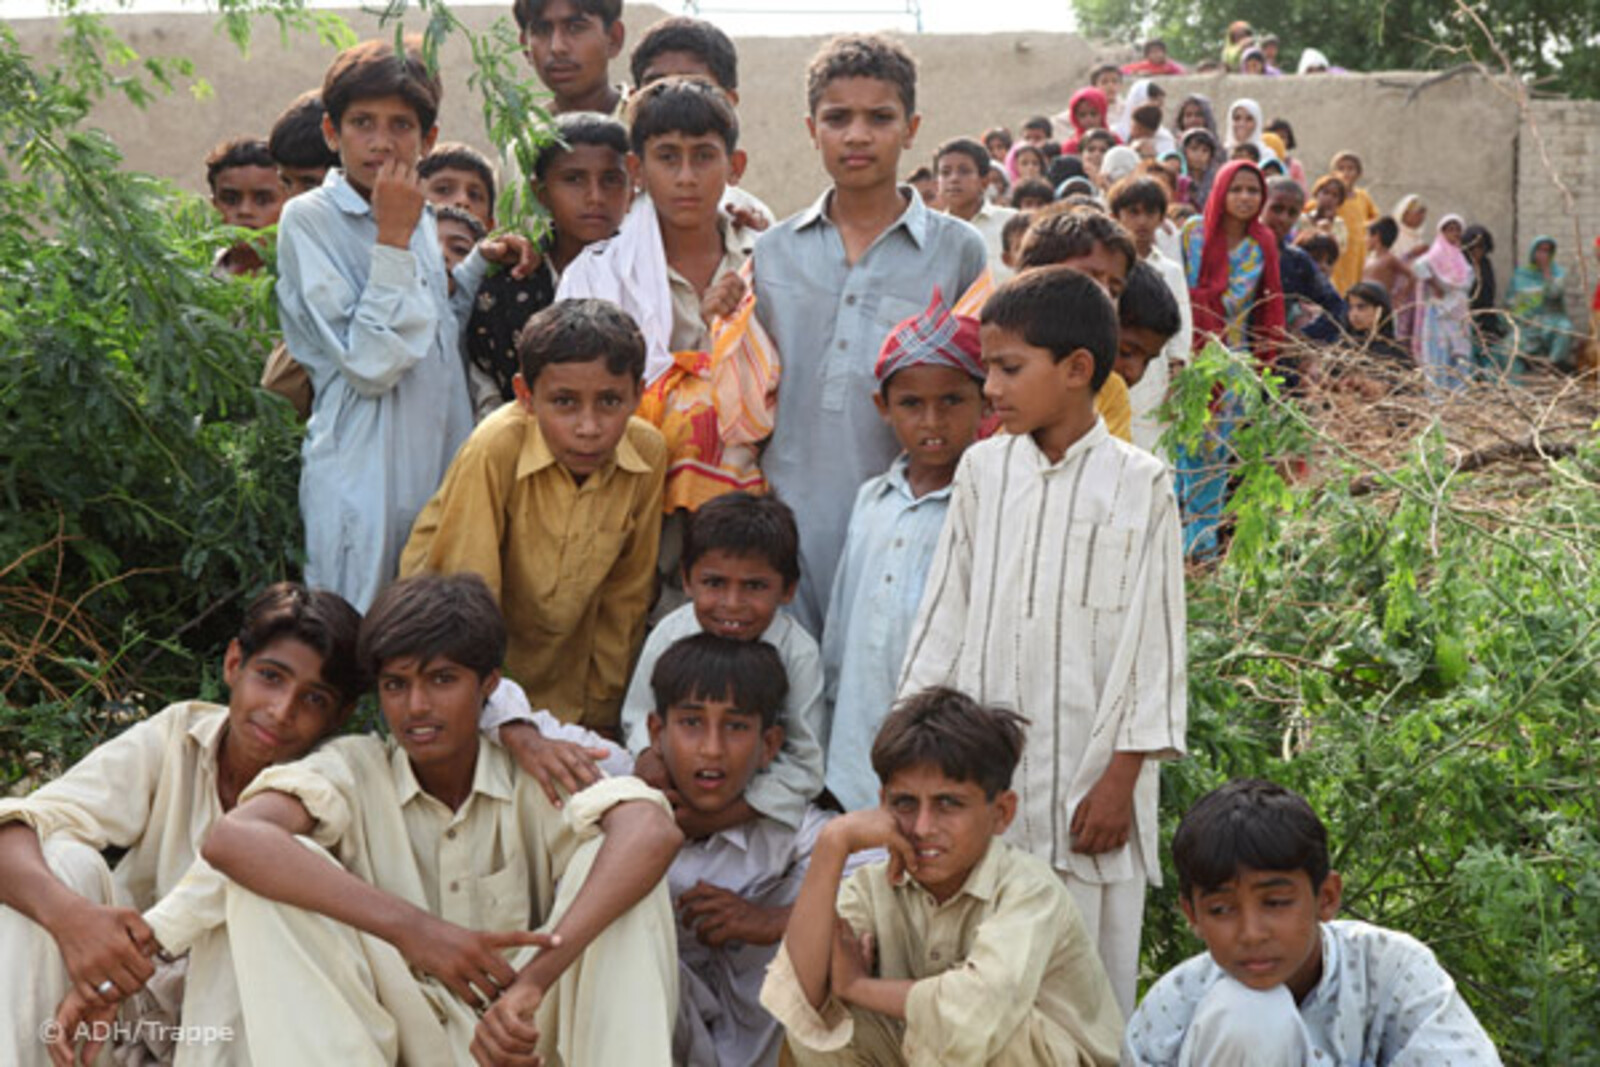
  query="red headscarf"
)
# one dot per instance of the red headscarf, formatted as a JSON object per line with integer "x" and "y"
{"x": 1095, "y": 97}
{"x": 1267, "y": 316}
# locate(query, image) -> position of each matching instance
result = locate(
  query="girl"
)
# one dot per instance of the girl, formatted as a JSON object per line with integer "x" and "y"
{"x": 1025, "y": 161}
{"x": 1333, "y": 212}
{"x": 1087, "y": 110}
{"x": 1284, "y": 132}
{"x": 1536, "y": 300}
{"x": 1195, "y": 113}
{"x": 1442, "y": 340}
{"x": 1244, "y": 124}
{"x": 1200, "y": 164}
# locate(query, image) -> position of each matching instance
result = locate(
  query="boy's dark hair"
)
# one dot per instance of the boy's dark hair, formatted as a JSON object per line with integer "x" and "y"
{"x": 1147, "y": 304}
{"x": 1061, "y": 310}
{"x": 574, "y": 128}
{"x": 1147, "y": 115}
{"x": 296, "y": 139}
{"x": 684, "y": 104}
{"x": 1283, "y": 185}
{"x": 921, "y": 174}
{"x": 527, "y": 11}
{"x": 460, "y": 214}
{"x": 1104, "y": 68}
{"x": 1251, "y": 150}
{"x": 1154, "y": 42}
{"x": 319, "y": 619}
{"x": 944, "y": 728}
{"x": 581, "y": 331}
{"x": 1321, "y": 247}
{"x": 747, "y": 674}
{"x": 1060, "y": 234}
{"x": 453, "y": 155}
{"x": 1077, "y": 198}
{"x": 1037, "y": 188}
{"x": 372, "y": 69}
{"x": 695, "y": 37}
{"x": 1248, "y": 823}
{"x": 1039, "y": 122}
{"x": 743, "y": 524}
{"x": 1135, "y": 191}
{"x": 863, "y": 56}
{"x": 1015, "y": 227}
{"x": 237, "y": 152}
{"x": 965, "y": 146}
{"x": 1385, "y": 229}
{"x": 427, "y": 616}
{"x": 1052, "y": 152}
{"x": 1098, "y": 134}
{"x": 997, "y": 132}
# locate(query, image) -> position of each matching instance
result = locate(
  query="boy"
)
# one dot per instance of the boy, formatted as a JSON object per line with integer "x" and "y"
{"x": 1140, "y": 206}
{"x": 571, "y": 44}
{"x": 930, "y": 392}
{"x": 1088, "y": 241}
{"x": 1032, "y": 194}
{"x": 459, "y": 233}
{"x": 556, "y": 501}
{"x": 365, "y": 309}
{"x": 1036, "y": 131}
{"x": 581, "y": 179}
{"x": 980, "y": 957}
{"x": 1283, "y": 982}
{"x": 1011, "y": 236}
{"x": 298, "y": 147}
{"x": 1096, "y": 143}
{"x": 1147, "y": 321}
{"x": 376, "y": 883}
{"x": 81, "y": 939}
{"x": 1155, "y": 62}
{"x": 962, "y": 166}
{"x": 926, "y": 184}
{"x": 1314, "y": 308}
{"x": 459, "y": 175}
{"x": 832, "y": 281}
{"x": 715, "y": 723}
{"x": 741, "y": 563}
{"x": 247, "y": 192}
{"x": 1057, "y": 589}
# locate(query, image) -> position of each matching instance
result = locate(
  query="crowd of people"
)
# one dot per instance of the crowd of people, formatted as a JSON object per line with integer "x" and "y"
{"x": 779, "y": 625}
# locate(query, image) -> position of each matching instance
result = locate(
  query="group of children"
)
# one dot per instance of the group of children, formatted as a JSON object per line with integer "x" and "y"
{"x": 882, "y": 603}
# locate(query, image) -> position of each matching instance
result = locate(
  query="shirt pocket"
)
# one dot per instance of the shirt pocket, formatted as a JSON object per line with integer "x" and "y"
{"x": 587, "y": 557}
{"x": 1101, "y": 565}
{"x": 852, "y": 358}
{"x": 504, "y": 900}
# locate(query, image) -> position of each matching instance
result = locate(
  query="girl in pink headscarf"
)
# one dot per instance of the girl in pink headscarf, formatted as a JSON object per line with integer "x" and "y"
{"x": 1442, "y": 340}
{"x": 1087, "y": 111}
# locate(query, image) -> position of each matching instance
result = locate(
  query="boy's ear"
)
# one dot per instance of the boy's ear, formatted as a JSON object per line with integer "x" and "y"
{"x": 811, "y": 131}
{"x": 330, "y": 134}
{"x": 771, "y": 742}
{"x": 655, "y": 724}
{"x": 523, "y": 392}
{"x": 1077, "y": 369}
{"x": 635, "y": 170}
{"x": 428, "y": 140}
{"x": 616, "y": 33}
{"x": 789, "y": 590}
{"x": 490, "y": 683}
{"x": 881, "y": 402}
{"x": 1329, "y": 896}
{"x": 913, "y": 124}
{"x": 232, "y": 661}
{"x": 1187, "y": 907}
{"x": 1005, "y": 809}
{"x": 737, "y": 161}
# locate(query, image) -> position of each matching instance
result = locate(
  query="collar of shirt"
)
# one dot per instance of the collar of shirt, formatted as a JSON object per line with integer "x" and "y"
{"x": 207, "y": 732}
{"x": 491, "y": 777}
{"x": 895, "y": 480}
{"x": 536, "y": 454}
{"x": 1097, "y": 435}
{"x": 737, "y": 244}
{"x": 1327, "y": 987}
{"x": 914, "y": 219}
{"x": 345, "y": 197}
{"x": 981, "y": 880}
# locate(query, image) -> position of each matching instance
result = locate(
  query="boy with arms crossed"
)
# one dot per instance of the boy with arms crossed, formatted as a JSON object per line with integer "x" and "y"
{"x": 832, "y": 281}
{"x": 979, "y": 956}
{"x": 377, "y": 883}
{"x": 1058, "y": 590}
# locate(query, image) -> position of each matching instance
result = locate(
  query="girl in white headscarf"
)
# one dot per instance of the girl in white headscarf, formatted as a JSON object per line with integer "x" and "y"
{"x": 1244, "y": 124}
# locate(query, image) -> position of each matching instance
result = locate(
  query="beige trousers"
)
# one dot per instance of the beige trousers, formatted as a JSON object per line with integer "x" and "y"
{"x": 877, "y": 1043}
{"x": 1113, "y": 913}
{"x": 317, "y": 991}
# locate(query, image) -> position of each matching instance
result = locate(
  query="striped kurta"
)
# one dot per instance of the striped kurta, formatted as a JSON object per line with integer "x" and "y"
{"x": 1057, "y": 590}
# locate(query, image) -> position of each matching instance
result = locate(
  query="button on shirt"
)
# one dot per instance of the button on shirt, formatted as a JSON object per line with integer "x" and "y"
{"x": 876, "y": 592}
{"x": 376, "y": 329}
{"x": 829, "y": 318}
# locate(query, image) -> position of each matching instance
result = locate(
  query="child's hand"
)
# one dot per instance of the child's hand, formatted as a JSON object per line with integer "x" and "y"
{"x": 718, "y": 916}
{"x": 747, "y": 217}
{"x": 873, "y": 828}
{"x": 553, "y": 763}
{"x": 468, "y": 962}
{"x": 76, "y": 1015}
{"x": 722, "y": 299}
{"x": 101, "y": 944}
{"x": 512, "y": 248}
{"x": 652, "y": 770}
{"x": 852, "y": 959}
{"x": 397, "y": 200}
{"x": 1104, "y": 816}
{"x": 506, "y": 1034}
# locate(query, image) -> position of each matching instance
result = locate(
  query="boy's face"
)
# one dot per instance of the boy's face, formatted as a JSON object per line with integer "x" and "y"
{"x": 1349, "y": 171}
{"x": 1026, "y": 386}
{"x": 1035, "y": 135}
{"x": 297, "y": 180}
{"x": 587, "y": 192}
{"x": 685, "y": 176}
{"x": 1136, "y": 347}
{"x": 251, "y": 197}
{"x": 464, "y": 189}
{"x": 861, "y": 127}
{"x": 1110, "y": 83}
{"x": 583, "y": 411}
{"x": 934, "y": 412}
{"x": 1027, "y": 203}
{"x": 278, "y": 704}
{"x": 712, "y": 749}
{"x": 997, "y": 148}
{"x": 949, "y": 823}
{"x": 1198, "y": 155}
{"x": 735, "y": 595}
{"x": 371, "y": 132}
{"x": 1264, "y": 927}
{"x": 432, "y": 709}
{"x": 1156, "y": 53}
{"x": 456, "y": 242}
{"x": 1106, "y": 266}
{"x": 1142, "y": 222}
{"x": 571, "y": 49}
{"x": 960, "y": 187}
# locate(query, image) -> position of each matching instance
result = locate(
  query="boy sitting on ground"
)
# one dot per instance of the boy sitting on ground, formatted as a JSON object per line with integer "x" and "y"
{"x": 741, "y": 564}
{"x": 1284, "y": 983}
{"x": 377, "y": 883}
{"x": 979, "y": 956}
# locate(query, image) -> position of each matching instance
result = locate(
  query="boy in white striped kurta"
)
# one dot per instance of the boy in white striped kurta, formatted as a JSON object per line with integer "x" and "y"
{"x": 1057, "y": 589}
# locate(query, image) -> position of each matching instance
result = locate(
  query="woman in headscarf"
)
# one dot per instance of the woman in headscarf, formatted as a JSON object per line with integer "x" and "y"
{"x": 1314, "y": 62}
{"x": 1195, "y": 112}
{"x": 1244, "y": 124}
{"x": 1240, "y": 37}
{"x": 1537, "y": 303}
{"x": 1252, "y": 61}
{"x": 1202, "y": 158}
{"x": 1488, "y": 326}
{"x": 1410, "y": 213}
{"x": 1236, "y": 294}
{"x": 1442, "y": 341}
{"x": 1087, "y": 111}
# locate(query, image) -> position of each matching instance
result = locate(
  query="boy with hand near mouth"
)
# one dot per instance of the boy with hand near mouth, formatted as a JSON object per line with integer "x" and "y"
{"x": 1284, "y": 983}
{"x": 378, "y": 884}
{"x": 960, "y": 949}
{"x": 741, "y": 564}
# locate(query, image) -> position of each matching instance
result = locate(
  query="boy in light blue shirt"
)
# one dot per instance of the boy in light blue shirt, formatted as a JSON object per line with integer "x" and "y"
{"x": 366, "y": 310}
{"x": 930, "y": 393}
